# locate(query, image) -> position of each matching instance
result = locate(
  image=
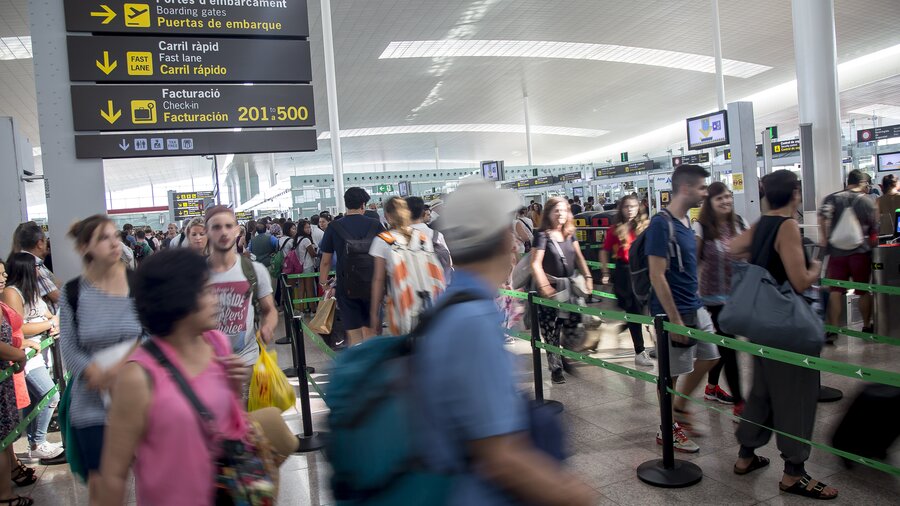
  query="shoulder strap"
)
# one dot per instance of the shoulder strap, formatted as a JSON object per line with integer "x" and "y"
{"x": 249, "y": 273}
{"x": 674, "y": 248}
{"x": 387, "y": 237}
{"x": 154, "y": 350}
{"x": 73, "y": 289}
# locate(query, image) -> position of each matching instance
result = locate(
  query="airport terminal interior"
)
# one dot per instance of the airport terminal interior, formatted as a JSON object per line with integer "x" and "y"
{"x": 165, "y": 115}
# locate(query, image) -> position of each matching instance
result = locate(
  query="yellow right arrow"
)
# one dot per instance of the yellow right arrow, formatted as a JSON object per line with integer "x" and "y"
{"x": 106, "y": 66}
{"x": 111, "y": 115}
{"x": 107, "y": 13}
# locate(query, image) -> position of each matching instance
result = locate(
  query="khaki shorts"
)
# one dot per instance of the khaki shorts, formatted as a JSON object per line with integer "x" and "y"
{"x": 681, "y": 360}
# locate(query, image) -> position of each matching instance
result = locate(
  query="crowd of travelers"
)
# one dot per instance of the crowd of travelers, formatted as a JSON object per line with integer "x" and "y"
{"x": 160, "y": 331}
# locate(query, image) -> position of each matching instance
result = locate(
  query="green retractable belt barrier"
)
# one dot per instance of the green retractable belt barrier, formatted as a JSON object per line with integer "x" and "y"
{"x": 29, "y": 353}
{"x": 613, "y": 315}
{"x": 318, "y": 341}
{"x": 864, "y": 287}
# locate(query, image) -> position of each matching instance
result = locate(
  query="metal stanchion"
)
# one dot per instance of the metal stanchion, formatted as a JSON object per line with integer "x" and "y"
{"x": 290, "y": 337}
{"x": 536, "y": 355}
{"x": 59, "y": 372}
{"x": 667, "y": 472}
{"x": 309, "y": 440}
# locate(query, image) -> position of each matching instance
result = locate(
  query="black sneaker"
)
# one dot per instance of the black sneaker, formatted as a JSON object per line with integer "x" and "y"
{"x": 868, "y": 329}
{"x": 557, "y": 377}
{"x": 54, "y": 425}
{"x": 55, "y": 461}
{"x": 830, "y": 338}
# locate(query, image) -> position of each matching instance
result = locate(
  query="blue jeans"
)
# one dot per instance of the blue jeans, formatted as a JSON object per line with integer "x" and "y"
{"x": 39, "y": 383}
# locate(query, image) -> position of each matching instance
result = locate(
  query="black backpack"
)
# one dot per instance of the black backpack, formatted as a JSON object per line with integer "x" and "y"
{"x": 639, "y": 261}
{"x": 356, "y": 267}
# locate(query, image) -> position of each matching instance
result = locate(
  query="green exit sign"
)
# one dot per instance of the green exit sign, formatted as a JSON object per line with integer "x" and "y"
{"x": 384, "y": 188}
{"x": 772, "y": 131}
{"x": 623, "y": 157}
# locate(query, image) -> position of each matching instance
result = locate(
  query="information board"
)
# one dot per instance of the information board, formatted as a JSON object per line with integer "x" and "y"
{"x": 535, "y": 181}
{"x": 690, "y": 159}
{"x": 149, "y": 145}
{"x": 190, "y": 204}
{"x": 759, "y": 152}
{"x": 707, "y": 131}
{"x": 568, "y": 177}
{"x": 784, "y": 147}
{"x": 878, "y": 133}
{"x": 628, "y": 168}
{"x": 267, "y": 18}
{"x": 243, "y": 215}
{"x": 188, "y": 106}
{"x": 180, "y": 59}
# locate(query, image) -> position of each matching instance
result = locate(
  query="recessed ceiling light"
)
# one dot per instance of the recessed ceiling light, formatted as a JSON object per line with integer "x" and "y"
{"x": 881, "y": 110}
{"x": 466, "y": 128}
{"x": 15, "y": 48}
{"x": 568, "y": 51}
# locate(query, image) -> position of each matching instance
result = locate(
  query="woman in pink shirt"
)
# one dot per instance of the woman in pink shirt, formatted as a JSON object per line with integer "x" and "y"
{"x": 151, "y": 422}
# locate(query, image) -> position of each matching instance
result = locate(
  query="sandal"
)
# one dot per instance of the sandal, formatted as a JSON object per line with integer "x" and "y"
{"x": 18, "y": 501}
{"x": 801, "y": 488}
{"x": 757, "y": 463}
{"x": 23, "y": 476}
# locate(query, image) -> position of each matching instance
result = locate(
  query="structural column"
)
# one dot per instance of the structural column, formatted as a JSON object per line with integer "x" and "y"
{"x": 528, "y": 132}
{"x": 815, "y": 53}
{"x": 77, "y": 187}
{"x": 334, "y": 123}
{"x": 717, "y": 52}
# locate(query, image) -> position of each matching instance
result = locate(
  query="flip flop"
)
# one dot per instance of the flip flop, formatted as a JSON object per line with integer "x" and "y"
{"x": 757, "y": 463}
{"x": 800, "y": 488}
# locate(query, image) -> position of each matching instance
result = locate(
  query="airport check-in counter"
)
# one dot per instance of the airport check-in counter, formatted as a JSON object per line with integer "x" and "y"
{"x": 591, "y": 228}
{"x": 886, "y": 271}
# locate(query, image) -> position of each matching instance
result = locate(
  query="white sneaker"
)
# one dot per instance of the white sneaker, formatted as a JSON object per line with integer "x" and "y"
{"x": 643, "y": 359}
{"x": 680, "y": 441}
{"x": 45, "y": 450}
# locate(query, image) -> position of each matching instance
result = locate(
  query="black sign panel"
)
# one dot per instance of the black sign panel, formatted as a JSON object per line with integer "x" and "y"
{"x": 176, "y": 107}
{"x": 536, "y": 181}
{"x": 788, "y": 146}
{"x": 190, "y": 204}
{"x": 690, "y": 159}
{"x": 243, "y": 215}
{"x": 193, "y": 143}
{"x": 628, "y": 168}
{"x": 569, "y": 177}
{"x": 878, "y": 133}
{"x": 727, "y": 152}
{"x": 179, "y": 59}
{"x": 268, "y": 18}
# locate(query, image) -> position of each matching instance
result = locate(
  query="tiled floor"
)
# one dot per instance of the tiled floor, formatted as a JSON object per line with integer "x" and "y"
{"x": 611, "y": 422}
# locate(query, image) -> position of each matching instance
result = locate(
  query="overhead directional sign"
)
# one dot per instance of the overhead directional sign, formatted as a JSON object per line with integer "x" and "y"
{"x": 788, "y": 146}
{"x": 690, "y": 159}
{"x": 169, "y": 107}
{"x": 170, "y": 59}
{"x": 570, "y": 176}
{"x": 628, "y": 168}
{"x": 269, "y": 18}
{"x": 877, "y": 133}
{"x": 193, "y": 143}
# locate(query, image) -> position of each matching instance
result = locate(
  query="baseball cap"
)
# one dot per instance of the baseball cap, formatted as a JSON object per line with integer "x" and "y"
{"x": 475, "y": 214}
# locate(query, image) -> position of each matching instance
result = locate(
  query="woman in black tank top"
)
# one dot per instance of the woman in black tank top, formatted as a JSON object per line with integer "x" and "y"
{"x": 783, "y": 396}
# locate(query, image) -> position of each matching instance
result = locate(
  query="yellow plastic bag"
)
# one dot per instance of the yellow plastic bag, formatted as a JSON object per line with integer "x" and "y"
{"x": 269, "y": 387}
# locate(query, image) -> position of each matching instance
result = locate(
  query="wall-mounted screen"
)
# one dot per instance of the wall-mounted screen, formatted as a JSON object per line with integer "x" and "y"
{"x": 492, "y": 171}
{"x": 889, "y": 161}
{"x": 403, "y": 189}
{"x": 707, "y": 131}
{"x": 578, "y": 192}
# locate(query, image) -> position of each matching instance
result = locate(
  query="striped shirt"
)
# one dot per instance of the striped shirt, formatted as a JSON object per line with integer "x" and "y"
{"x": 104, "y": 320}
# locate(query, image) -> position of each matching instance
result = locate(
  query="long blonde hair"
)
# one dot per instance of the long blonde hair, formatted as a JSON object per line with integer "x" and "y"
{"x": 547, "y": 224}
{"x": 399, "y": 216}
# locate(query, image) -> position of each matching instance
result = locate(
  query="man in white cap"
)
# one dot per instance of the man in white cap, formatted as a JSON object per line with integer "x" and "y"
{"x": 475, "y": 422}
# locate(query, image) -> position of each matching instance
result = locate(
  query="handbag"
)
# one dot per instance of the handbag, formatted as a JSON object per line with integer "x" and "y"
{"x": 323, "y": 321}
{"x": 245, "y": 469}
{"x": 577, "y": 282}
{"x": 767, "y": 313}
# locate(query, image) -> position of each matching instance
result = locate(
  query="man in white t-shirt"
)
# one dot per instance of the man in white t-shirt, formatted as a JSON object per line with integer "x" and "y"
{"x": 317, "y": 232}
{"x": 230, "y": 277}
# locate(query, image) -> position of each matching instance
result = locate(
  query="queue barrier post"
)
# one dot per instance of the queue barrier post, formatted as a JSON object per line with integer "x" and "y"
{"x": 309, "y": 440}
{"x": 59, "y": 372}
{"x": 536, "y": 356}
{"x": 667, "y": 472}
{"x": 289, "y": 336}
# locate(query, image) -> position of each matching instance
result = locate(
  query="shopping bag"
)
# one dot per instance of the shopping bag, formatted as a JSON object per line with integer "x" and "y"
{"x": 73, "y": 453}
{"x": 324, "y": 318}
{"x": 269, "y": 387}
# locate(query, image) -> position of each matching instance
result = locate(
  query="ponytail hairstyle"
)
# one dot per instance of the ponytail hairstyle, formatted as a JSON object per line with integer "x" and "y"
{"x": 624, "y": 226}
{"x": 83, "y": 232}
{"x": 398, "y": 215}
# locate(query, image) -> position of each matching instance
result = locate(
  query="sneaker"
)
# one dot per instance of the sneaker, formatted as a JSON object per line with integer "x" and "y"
{"x": 45, "y": 450}
{"x": 738, "y": 409}
{"x": 643, "y": 359}
{"x": 652, "y": 353}
{"x": 55, "y": 461}
{"x": 830, "y": 338}
{"x": 557, "y": 377}
{"x": 681, "y": 443}
{"x": 868, "y": 329}
{"x": 715, "y": 393}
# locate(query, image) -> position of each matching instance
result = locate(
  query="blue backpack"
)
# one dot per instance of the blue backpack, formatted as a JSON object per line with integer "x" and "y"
{"x": 371, "y": 449}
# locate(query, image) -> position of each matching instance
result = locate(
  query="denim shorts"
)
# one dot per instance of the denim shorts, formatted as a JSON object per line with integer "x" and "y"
{"x": 681, "y": 360}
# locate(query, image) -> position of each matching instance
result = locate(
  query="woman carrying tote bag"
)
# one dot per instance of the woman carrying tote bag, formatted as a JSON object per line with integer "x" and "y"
{"x": 784, "y": 396}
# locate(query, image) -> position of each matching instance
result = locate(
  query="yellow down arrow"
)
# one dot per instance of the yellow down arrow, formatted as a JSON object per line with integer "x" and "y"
{"x": 106, "y": 66}
{"x": 110, "y": 115}
{"x": 107, "y": 13}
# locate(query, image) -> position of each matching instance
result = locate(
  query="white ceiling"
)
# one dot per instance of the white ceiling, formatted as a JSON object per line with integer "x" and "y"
{"x": 622, "y": 98}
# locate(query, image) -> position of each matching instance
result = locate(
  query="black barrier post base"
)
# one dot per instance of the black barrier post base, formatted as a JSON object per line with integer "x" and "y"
{"x": 536, "y": 358}
{"x": 309, "y": 440}
{"x": 311, "y": 443}
{"x": 667, "y": 472}
{"x": 283, "y": 340}
{"x": 828, "y": 394}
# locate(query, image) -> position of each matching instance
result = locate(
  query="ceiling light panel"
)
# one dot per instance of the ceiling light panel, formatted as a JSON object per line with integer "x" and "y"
{"x": 466, "y": 128}
{"x": 15, "y": 48}
{"x": 568, "y": 51}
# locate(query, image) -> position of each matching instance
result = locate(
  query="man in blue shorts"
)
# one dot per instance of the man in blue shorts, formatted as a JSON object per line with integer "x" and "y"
{"x": 349, "y": 239}
{"x": 673, "y": 274}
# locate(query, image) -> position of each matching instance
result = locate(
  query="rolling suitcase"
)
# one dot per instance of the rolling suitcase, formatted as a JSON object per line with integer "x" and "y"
{"x": 870, "y": 425}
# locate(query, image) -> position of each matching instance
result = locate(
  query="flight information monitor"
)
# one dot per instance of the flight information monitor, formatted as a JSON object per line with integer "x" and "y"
{"x": 492, "y": 171}
{"x": 707, "y": 131}
{"x": 889, "y": 161}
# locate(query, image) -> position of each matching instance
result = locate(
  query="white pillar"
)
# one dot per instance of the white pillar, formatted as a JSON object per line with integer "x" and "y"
{"x": 13, "y": 206}
{"x": 333, "y": 121}
{"x": 528, "y": 132}
{"x": 437, "y": 158}
{"x": 717, "y": 52}
{"x": 77, "y": 187}
{"x": 815, "y": 54}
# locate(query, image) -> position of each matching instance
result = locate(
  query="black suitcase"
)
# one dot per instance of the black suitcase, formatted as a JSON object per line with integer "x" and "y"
{"x": 870, "y": 426}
